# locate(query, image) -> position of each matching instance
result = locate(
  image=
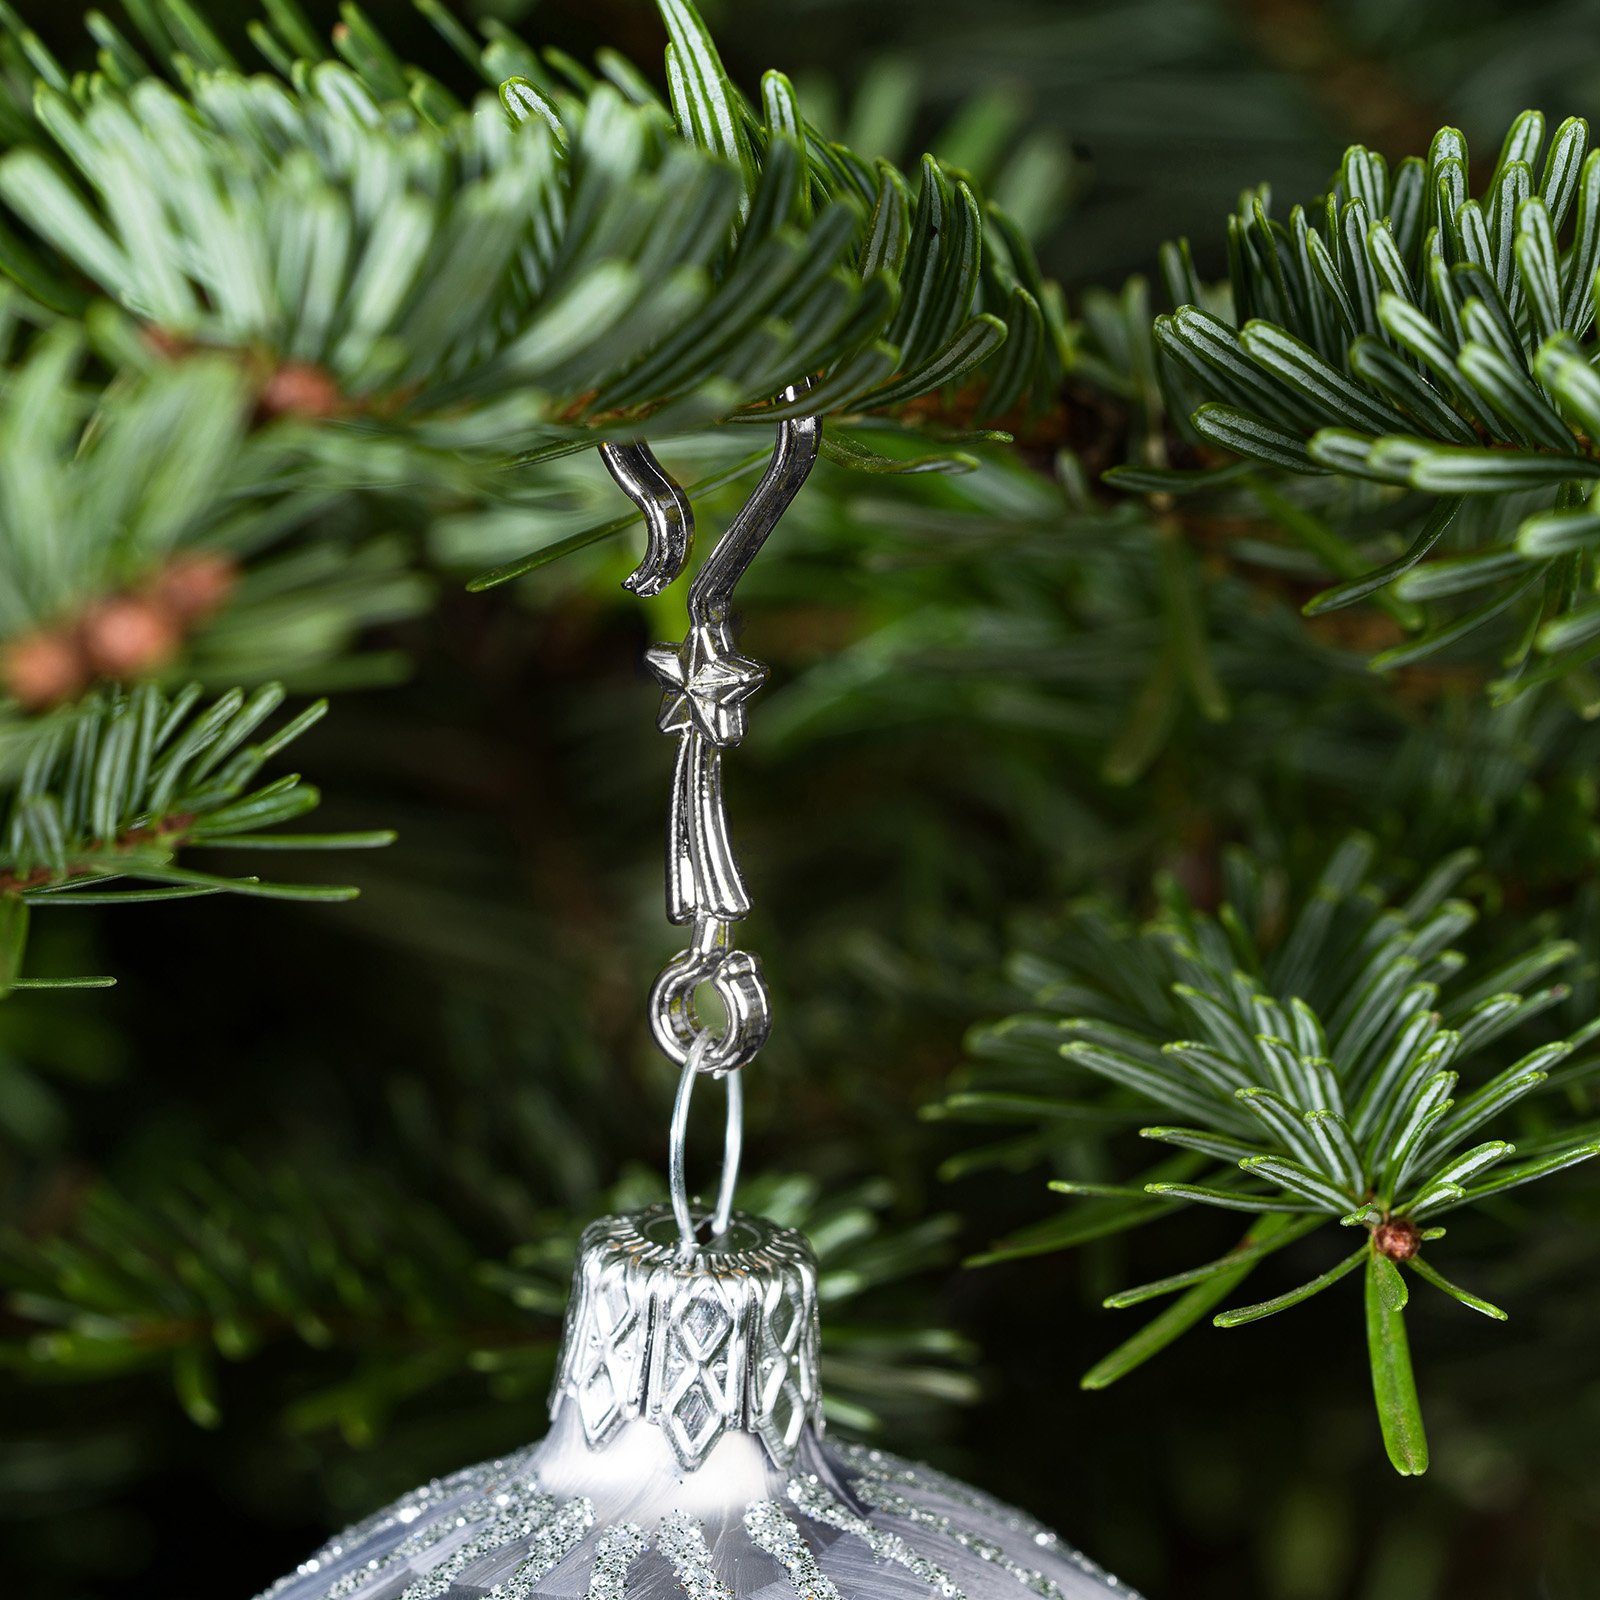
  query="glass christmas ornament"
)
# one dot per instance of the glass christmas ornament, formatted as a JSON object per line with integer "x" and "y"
{"x": 686, "y": 1457}
{"x": 686, "y": 1454}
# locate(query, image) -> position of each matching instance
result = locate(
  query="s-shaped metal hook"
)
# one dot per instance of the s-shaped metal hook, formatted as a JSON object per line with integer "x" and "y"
{"x": 706, "y": 684}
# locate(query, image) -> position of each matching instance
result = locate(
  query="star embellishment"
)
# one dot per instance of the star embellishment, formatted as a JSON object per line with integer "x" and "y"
{"x": 706, "y": 684}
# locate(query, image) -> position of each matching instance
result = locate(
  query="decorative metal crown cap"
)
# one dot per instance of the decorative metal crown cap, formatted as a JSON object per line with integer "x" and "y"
{"x": 723, "y": 1342}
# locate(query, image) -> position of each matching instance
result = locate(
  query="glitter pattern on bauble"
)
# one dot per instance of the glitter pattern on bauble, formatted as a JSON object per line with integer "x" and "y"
{"x": 686, "y": 1458}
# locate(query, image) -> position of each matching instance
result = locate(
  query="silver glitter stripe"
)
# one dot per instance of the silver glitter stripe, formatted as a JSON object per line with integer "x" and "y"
{"x": 879, "y": 1465}
{"x": 515, "y": 1517}
{"x": 771, "y": 1529}
{"x": 401, "y": 1513}
{"x": 682, "y": 1540}
{"x": 423, "y": 1539}
{"x": 556, "y": 1539}
{"x": 888, "y": 1468}
{"x": 883, "y": 1497}
{"x": 615, "y": 1552}
{"x": 815, "y": 1502}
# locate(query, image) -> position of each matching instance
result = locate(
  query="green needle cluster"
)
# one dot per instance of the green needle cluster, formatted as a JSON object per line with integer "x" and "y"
{"x": 1341, "y": 1069}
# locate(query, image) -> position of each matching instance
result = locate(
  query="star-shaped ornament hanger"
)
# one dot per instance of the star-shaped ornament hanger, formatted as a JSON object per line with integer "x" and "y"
{"x": 706, "y": 686}
{"x": 707, "y": 683}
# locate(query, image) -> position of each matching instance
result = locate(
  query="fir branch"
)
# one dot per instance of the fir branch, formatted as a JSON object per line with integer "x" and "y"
{"x": 112, "y": 791}
{"x": 1320, "y": 1061}
{"x": 1403, "y": 333}
{"x": 140, "y": 535}
{"x": 580, "y": 268}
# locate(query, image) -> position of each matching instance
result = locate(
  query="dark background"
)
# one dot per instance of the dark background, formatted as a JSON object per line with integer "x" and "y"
{"x": 471, "y": 1029}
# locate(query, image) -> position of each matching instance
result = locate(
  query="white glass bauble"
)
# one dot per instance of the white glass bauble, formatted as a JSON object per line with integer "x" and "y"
{"x": 686, "y": 1458}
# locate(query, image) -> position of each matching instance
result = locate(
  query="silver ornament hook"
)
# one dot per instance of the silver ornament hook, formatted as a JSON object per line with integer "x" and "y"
{"x": 706, "y": 684}
{"x": 668, "y": 516}
{"x": 793, "y": 457}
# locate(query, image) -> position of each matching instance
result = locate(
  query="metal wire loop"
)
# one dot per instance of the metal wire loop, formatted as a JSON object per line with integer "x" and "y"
{"x": 677, "y": 1152}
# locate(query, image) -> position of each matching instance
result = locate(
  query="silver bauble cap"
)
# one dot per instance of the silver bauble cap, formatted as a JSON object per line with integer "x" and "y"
{"x": 686, "y": 1461}
{"x": 725, "y": 1342}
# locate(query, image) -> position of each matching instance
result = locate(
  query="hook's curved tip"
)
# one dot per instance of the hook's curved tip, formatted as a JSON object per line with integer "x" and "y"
{"x": 668, "y": 516}
{"x": 651, "y": 576}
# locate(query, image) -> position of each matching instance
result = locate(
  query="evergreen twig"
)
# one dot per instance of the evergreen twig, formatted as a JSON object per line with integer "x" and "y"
{"x": 1332, "y": 1071}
